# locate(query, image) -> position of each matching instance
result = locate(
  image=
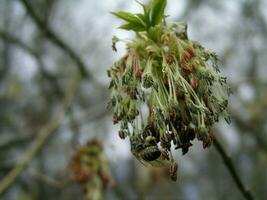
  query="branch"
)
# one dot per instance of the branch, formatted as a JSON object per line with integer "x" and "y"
{"x": 58, "y": 184}
{"x": 13, "y": 40}
{"x": 15, "y": 142}
{"x": 41, "y": 138}
{"x": 4, "y": 68}
{"x": 19, "y": 43}
{"x": 255, "y": 130}
{"x": 53, "y": 37}
{"x": 231, "y": 168}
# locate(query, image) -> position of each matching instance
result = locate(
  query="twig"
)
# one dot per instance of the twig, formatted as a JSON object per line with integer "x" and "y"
{"x": 53, "y": 37}
{"x": 59, "y": 184}
{"x": 13, "y": 40}
{"x": 6, "y": 51}
{"x": 34, "y": 53}
{"x": 230, "y": 166}
{"x": 15, "y": 142}
{"x": 254, "y": 130}
{"x": 41, "y": 138}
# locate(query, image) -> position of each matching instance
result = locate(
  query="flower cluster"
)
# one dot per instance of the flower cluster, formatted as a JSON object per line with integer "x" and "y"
{"x": 177, "y": 79}
{"x": 90, "y": 170}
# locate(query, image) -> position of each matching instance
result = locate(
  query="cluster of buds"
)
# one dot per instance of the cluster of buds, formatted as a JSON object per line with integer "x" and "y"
{"x": 91, "y": 171}
{"x": 177, "y": 79}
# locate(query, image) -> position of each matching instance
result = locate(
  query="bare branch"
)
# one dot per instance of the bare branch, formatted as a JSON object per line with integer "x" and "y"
{"x": 55, "y": 38}
{"x": 231, "y": 168}
{"x": 18, "y": 141}
{"x": 59, "y": 184}
{"x": 254, "y": 130}
{"x": 11, "y": 39}
{"x": 16, "y": 41}
{"x": 41, "y": 138}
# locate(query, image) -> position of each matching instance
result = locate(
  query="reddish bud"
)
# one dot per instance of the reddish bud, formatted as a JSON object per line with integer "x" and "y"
{"x": 191, "y": 51}
{"x": 186, "y": 69}
{"x": 169, "y": 59}
{"x": 194, "y": 83}
{"x": 138, "y": 73}
{"x": 186, "y": 56}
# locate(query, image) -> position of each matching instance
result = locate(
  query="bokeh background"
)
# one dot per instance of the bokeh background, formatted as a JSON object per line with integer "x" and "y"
{"x": 45, "y": 43}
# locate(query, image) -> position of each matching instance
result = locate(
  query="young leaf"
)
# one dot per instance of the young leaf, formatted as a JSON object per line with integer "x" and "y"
{"x": 146, "y": 9}
{"x": 132, "y": 26}
{"x": 144, "y": 18}
{"x": 129, "y": 17}
{"x": 157, "y": 11}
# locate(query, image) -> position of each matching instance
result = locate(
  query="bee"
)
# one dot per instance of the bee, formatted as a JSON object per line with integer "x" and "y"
{"x": 151, "y": 151}
{"x": 145, "y": 150}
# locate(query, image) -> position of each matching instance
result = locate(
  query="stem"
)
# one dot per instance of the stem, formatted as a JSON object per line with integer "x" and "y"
{"x": 247, "y": 194}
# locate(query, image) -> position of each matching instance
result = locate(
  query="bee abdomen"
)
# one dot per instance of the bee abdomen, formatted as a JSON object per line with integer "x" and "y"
{"x": 150, "y": 153}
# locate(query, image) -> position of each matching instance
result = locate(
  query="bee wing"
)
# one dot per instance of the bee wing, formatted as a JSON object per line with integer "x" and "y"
{"x": 157, "y": 163}
{"x": 154, "y": 163}
{"x": 160, "y": 162}
{"x": 140, "y": 160}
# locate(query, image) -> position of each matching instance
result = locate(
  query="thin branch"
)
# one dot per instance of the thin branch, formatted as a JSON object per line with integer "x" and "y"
{"x": 55, "y": 38}
{"x": 95, "y": 113}
{"x": 6, "y": 51}
{"x": 19, "y": 43}
{"x": 18, "y": 141}
{"x": 41, "y": 138}
{"x": 59, "y": 184}
{"x": 232, "y": 170}
{"x": 255, "y": 131}
{"x": 13, "y": 40}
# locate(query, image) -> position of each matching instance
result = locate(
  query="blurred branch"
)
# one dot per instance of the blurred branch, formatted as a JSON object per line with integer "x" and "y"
{"x": 6, "y": 50}
{"x": 59, "y": 184}
{"x": 95, "y": 113}
{"x": 44, "y": 134}
{"x": 247, "y": 127}
{"x": 11, "y": 39}
{"x": 15, "y": 142}
{"x": 230, "y": 166}
{"x": 53, "y": 37}
{"x": 16, "y": 41}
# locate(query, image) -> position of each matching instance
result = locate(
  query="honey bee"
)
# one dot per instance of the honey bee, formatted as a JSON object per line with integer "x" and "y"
{"x": 146, "y": 150}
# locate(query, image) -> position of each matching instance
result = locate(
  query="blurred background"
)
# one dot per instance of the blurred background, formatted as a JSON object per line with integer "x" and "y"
{"x": 47, "y": 111}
